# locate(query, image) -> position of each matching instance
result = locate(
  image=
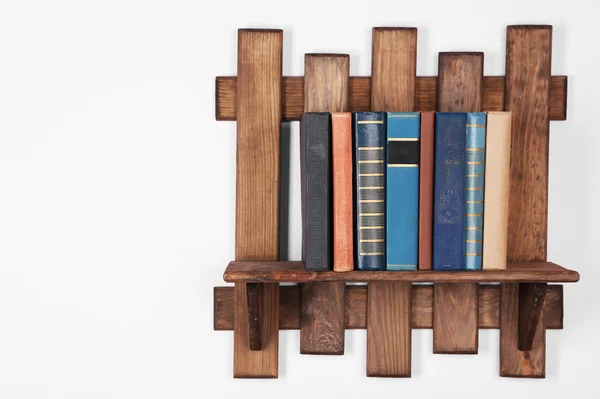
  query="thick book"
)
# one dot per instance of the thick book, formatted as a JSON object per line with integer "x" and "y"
{"x": 402, "y": 190}
{"x": 449, "y": 189}
{"x": 426, "y": 190}
{"x": 497, "y": 180}
{"x": 343, "y": 225}
{"x": 316, "y": 193}
{"x": 474, "y": 189}
{"x": 369, "y": 158}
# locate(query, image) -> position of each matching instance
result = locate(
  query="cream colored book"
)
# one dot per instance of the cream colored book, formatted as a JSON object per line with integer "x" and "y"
{"x": 497, "y": 180}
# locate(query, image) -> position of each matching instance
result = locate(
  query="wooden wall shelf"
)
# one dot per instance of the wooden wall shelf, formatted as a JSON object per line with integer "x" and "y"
{"x": 520, "y": 301}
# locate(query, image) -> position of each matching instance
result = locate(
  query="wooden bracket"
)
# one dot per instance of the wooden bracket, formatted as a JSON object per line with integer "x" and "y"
{"x": 531, "y": 303}
{"x": 253, "y": 296}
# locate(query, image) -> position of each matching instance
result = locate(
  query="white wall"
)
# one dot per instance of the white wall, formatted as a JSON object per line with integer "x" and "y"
{"x": 117, "y": 192}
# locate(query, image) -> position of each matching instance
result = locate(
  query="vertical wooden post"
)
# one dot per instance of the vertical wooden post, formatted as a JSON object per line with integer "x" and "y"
{"x": 456, "y": 308}
{"x": 326, "y": 80}
{"x": 259, "y": 114}
{"x": 393, "y": 77}
{"x": 527, "y": 95}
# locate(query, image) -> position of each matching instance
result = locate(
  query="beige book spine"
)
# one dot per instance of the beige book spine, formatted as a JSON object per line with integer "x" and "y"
{"x": 497, "y": 180}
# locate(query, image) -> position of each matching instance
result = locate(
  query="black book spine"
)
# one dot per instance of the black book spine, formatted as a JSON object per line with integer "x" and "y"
{"x": 316, "y": 191}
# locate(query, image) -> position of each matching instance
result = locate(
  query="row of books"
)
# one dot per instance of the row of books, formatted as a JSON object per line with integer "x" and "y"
{"x": 405, "y": 190}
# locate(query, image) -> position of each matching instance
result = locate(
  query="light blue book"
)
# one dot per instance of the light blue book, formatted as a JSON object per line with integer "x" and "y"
{"x": 402, "y": 190}
{"x": 474, "y": 190}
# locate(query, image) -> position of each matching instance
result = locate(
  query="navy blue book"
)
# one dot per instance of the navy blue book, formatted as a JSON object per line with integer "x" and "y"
{"x": 402, "y": 190}
{"x": 449, "y": 190}
{"x": 369, "y": 160}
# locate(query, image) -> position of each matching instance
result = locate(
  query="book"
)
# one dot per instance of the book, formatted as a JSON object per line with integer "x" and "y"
{"x": 316, "y": 196}
{"x": 343, "y": 226}
{"x": 449, "y": 188}
{"x": 497, "y": 180}
{"x": 369, "y": 160}
{"x": 402, "y": 190}
{"x": 474, "y": 188}
{"x": 426, "y": 190}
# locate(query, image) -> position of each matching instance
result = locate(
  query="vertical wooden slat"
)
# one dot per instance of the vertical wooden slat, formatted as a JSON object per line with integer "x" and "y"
{"x": 326, "y": 82}
{"x": 531, "y": 306}
{"x": 513, "y": 362}
{"x": 527, "y": 95}
{"x": 393, "y": 77}
{"x": 254, "y": 298}
{"x": 259, "y": 114}
{"x": 456, "y": 309}
{"x": 389, "y": 307}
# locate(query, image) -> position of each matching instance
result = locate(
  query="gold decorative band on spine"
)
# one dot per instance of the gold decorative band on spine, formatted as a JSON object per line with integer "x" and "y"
{"x": 403, "y": 165}
{"x": 475, "y": 124}
{"x": 372, "y": 161}
{"x": 403, "y": 139}
{"x": 369, "y": 148}
{"x": 474, "y": 163}
{"x": 371, "y": 227}
{"x": 473, "y": 214}
{"x": 394, "y": 264}
{"x": 473, "y": 228}
{"x": 474, "y": 174}
{"x": 474, "y": 188}
{"x": 370, "y": 253}
{"x": 378, "y": 240}
{"x": 370, "y": 122}
{"x": 475, "y": 149}
{"x": 368, "y": 201}
{"x": 370, "y": 174}
{"x": 472, "y": 254}
{"x": 370, "y": 214}
{"x": 371, "y": 188}
{"x": 472, "y": 240}
{"x": 474, "y": 202}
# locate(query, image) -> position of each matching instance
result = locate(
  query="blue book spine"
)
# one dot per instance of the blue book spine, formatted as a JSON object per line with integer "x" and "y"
{"x": 402, "y": 190}
{"x": 369, "y": 159}
{"x": 449, "y": 190}
{"x": 474, "y": 190}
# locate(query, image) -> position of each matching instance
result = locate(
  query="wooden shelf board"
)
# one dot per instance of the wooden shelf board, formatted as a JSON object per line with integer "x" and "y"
{"x": 294, "y": 272}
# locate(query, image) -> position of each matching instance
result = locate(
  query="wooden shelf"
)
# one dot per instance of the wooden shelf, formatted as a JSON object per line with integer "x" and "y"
{"x": 293, "y": 272}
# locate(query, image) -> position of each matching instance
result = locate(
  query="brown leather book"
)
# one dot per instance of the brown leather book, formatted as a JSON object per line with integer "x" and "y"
{"x": 426, "y": 191}
{"x": 497, "y": 179}
{"x": 341, "y": 137}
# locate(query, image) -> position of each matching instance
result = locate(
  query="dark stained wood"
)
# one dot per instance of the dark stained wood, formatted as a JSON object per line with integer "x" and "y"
{"x": 527, "y": 95}
{"x": 393, "y": 69}
{"x": 455, "y": 310}
{"x": 326, "y": 84}
{"x": 531, "y": 306}
{"x": 456, "y": 320}
{"x": 356, "y": 307}
{"x": 294, "y": 272}
{"x": 513, "y": 362}
{"x": 253, "y": 295}
{"x": 460, "y": 82}
{"x": 322, "y": 319}
{"x": 259, "y": 114}
{"x": 389, "y": 329}
{"x": 360, "y": 96}
{"x": 250, "y": 363}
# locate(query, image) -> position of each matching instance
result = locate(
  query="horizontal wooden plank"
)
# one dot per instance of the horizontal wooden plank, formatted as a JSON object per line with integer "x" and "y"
{"x": 360, "y": 96}
{"x": 356, "y": 307}
{"x": 294, "y": 272}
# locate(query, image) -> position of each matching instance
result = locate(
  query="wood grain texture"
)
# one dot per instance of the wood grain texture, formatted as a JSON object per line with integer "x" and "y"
{"x": 360, "y": 96}
{"x": 326, "y": 84}
{"x": 259, "y": 111}
{"x": 258, "y": 141}
{"x": 513, "y": 362}
{"x": 294, "y": 272}
{"x": 356, "y": 307}
{"x": 249, "y": 363}
{"x": 455, "y": 310}
{"x": 531, "y": 306}
{"x": 460, "y": 82}
{"x": 393, "y": 69}
{"x": 389, "y": 329}
{"x": 254, "y": 296}
{"x": 322, "y": 319}
{"x": 456, "y": 318}
{"x": 527, "y": 95}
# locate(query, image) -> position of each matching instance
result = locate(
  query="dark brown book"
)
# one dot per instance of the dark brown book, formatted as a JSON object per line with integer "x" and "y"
{"x": 426, "y": 191}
